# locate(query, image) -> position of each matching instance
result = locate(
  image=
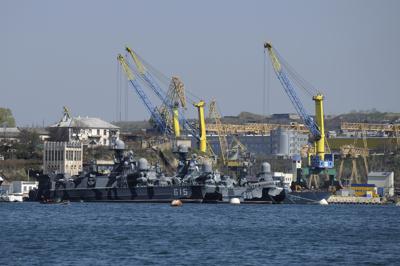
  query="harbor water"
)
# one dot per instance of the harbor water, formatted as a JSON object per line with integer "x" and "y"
{"x": 198, "y": 234}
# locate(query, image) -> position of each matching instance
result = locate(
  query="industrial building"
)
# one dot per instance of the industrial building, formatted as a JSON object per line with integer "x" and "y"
{"x": 62, "y": 157}
{"x": 282, "y": 142}
{"x": 287, "y": 143}
{"x": 286, "y": 116}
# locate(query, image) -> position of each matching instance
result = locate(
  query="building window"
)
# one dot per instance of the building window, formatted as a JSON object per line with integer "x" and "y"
{"x": 105, "y": 132}
{"x": 98, "y": 132}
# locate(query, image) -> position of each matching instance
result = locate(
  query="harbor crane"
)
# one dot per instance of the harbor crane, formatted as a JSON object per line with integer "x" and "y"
{"x": 167, "y": 99}
{"x": 320, "y": 160}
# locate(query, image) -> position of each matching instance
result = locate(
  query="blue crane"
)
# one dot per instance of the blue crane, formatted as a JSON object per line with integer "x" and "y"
{"x": 320, "y": 160}
{"x": 160, "y": 123}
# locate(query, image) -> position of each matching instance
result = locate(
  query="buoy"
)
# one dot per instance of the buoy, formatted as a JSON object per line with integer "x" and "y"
{"x": 176, "y": 203}
{"x": 235, "y": 201}
{"x": 323, "y": 202}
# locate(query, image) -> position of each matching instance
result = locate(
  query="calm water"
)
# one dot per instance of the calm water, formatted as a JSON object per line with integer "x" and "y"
{"x": 198, "y": 234}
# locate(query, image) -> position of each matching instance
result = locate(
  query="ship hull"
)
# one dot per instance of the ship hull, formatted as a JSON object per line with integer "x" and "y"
{"x": 194, "y": 193}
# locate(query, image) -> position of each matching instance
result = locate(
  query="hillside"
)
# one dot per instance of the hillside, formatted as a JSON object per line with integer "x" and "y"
{"x": 364, "y": 117}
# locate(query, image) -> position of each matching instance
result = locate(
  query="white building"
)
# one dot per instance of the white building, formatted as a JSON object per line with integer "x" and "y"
{"x": 91, "y": 131}
{"x": 62, "y": 157}
{"x": 384, "y": 181}
{"x": 22, "y": 187}
{"x": 285, "y": 178}
{"x": 9, "y": 134}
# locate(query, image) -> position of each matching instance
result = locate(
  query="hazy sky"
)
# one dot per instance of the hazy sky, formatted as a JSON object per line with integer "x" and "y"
{"x": 56, "y": 53}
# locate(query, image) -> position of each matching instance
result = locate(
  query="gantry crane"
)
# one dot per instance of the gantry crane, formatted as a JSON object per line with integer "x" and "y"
{"x": 390, "y": 129}
{"x": 320, "y": 161}
{"x": 352, "y": 152}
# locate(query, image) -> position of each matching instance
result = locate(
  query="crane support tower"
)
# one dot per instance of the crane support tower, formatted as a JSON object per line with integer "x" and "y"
{"x": 177, "y": 128}
{"x": 202, "y": 126}
{"x": 319, "y": 115}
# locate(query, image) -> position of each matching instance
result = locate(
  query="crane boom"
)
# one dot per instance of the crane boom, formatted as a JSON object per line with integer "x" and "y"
{"x": 147, "y": 76}
{"x": 153, "y": 111}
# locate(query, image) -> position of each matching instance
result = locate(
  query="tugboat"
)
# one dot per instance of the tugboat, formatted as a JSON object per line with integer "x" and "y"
{"x": 134, "y": 180}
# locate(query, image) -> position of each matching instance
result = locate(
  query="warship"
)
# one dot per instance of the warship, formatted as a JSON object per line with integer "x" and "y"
{"x": 135, "y": 180}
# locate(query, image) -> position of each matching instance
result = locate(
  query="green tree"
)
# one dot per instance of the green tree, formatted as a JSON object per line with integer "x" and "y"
{"x": 29, "y": 146}
{"x": 6, "y": 118}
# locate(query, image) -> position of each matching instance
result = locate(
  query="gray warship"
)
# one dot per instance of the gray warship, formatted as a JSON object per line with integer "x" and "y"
{"x": 135, "y": 180}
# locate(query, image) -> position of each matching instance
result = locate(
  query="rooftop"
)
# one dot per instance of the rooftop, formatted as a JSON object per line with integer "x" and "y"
{"x": 84, "y": 122}
{"x": 379, "y": 174}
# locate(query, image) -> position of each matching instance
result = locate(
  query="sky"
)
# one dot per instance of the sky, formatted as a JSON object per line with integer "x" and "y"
{"x": 63, "y": 53}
